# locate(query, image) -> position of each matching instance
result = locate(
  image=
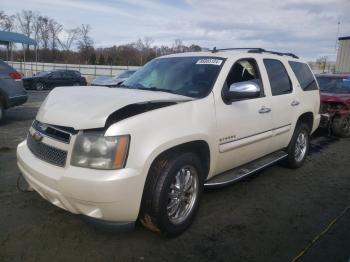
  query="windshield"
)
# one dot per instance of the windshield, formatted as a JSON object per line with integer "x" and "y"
{"x": 187, "y": 76}
{"x": 125, "y": 74}
{"x": 334, "y": 85}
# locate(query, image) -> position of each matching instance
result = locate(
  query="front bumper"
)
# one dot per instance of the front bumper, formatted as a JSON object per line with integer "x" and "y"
{"x": 110, "y": 195}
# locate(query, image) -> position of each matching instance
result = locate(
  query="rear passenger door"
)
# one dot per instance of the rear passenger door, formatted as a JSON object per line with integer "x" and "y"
{"x": 67, "y": 79}
{"x": 283, "y": 102}
{"x": 307, "y": 88}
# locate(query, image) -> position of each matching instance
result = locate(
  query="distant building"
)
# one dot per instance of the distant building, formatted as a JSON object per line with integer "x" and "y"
{"x": 343, "y": 56}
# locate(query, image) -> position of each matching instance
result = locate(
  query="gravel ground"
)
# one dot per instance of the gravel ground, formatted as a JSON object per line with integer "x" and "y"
{"x": 272, "y": 216}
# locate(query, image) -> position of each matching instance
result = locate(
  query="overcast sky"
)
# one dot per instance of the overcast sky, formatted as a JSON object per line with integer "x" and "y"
{"x": 305, "y": 27}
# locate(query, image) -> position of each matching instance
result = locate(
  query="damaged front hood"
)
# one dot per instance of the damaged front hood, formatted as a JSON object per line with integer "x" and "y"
{"x": 88, "y": 107}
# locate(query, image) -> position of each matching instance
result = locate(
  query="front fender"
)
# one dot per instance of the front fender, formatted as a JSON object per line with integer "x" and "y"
{"x": 156, "y": 131}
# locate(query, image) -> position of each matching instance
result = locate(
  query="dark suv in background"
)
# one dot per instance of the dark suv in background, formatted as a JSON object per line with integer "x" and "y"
{"x": 12, "y": 92}
{"x": 51, "y": 79}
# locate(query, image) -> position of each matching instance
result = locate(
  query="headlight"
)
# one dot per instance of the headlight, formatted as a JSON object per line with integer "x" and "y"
{"x": 92, "y": 150}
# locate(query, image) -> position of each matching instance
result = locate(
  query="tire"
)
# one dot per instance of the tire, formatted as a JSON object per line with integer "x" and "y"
{"x": 2, "y": 111}
{"x": 76, "y": 84}
{"x": 341, "y": 126}
{"x": 39, "y": 86}
{"x": 298, "y": 147}
{"x": 164, "y": 194}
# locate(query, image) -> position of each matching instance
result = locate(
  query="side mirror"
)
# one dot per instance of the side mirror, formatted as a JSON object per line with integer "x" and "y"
{"x": 242, "y": 90}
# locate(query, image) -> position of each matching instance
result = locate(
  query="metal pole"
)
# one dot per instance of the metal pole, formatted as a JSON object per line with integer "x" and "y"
{"x": 11, "y": 52}
{"x": 24, "y": 60}
{"x": 36, "y": 59}
{"x": 336, "y": 40}
{"x": 7, "y": 51}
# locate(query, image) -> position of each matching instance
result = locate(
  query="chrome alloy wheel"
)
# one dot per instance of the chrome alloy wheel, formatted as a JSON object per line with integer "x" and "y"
{"x": 182, "y": 194}
{"x": 39, "y": 86}
{"x": 301, "y": 146}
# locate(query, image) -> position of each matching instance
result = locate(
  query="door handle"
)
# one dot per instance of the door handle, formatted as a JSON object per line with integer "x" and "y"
{"x": 264, "y": 110}
{"x": 295, "y": 103}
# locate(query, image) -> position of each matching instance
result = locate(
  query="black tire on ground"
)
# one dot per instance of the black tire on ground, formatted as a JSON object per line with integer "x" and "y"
{"x": 157, "y": 199}
{"x": 294, "y": 159}
{"x": 76, "y": 84}
{"x": 341, "y": 126}
{"x": 39, "y": 86}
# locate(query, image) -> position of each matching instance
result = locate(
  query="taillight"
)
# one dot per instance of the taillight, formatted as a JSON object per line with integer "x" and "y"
{"x": 15, "y": 76}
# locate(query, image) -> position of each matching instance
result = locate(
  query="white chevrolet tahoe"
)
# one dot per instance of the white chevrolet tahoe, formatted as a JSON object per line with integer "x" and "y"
{"x": 145, "y": 150}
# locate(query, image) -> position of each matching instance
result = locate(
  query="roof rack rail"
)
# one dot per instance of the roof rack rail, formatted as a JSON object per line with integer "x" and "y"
{"x": 214, "y": 50}
{"x": 254, "y": 50}
{"x": 273, "y": 52}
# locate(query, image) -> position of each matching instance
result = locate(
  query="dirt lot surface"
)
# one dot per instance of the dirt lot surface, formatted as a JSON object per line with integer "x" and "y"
{"x": 272, "y": 216}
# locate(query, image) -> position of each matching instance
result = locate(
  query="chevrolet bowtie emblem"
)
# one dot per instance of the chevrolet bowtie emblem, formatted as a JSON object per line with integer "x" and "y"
{"x": 42, "y": 127}
{"x": 37, "y": 136}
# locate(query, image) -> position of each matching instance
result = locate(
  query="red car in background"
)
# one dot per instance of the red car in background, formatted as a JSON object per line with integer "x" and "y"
{"x": 335, "y": 103}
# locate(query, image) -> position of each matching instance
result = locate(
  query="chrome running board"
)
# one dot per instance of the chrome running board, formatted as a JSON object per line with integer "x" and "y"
{"x": 243, "y": 171}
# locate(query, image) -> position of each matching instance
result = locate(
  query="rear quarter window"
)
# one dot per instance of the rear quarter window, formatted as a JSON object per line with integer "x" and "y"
{"x": 75, "y": 73}
{"x": 304, "y": 75}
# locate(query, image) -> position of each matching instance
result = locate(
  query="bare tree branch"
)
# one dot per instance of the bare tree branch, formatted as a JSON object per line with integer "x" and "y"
{"x": 54, "y": 30}
{"x": 6, "y": 21}
{"x": 25, "y": 20}
{"x": 71, "y": 36}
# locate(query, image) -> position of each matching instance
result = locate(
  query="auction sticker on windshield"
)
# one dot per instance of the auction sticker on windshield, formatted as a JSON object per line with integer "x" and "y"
{"x": 209, "y": 61}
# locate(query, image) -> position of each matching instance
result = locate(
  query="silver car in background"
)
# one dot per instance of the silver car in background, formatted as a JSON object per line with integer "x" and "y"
{"x": 12, "y": 92}
{"x": 112, "y": 81}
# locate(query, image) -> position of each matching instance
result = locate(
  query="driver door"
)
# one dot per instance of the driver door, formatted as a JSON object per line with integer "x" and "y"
{"x": 244, "y": 126}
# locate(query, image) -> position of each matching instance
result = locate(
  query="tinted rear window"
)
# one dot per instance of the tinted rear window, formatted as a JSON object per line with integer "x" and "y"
{"x": 304, "y": 75}
{"x": 278, "y": 77}
{"x": 75, "y": 73}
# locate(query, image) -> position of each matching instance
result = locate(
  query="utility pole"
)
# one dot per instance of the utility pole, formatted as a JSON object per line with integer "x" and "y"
{"x": 336, "y": 40}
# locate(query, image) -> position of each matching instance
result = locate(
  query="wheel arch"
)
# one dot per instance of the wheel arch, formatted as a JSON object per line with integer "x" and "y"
{"x": 3, "y": 99}
{"x": 308, "y": 119}
{"x": 198, "y": 147}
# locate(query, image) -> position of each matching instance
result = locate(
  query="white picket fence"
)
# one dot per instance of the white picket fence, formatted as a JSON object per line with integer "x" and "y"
{"x": 92, "y": 71}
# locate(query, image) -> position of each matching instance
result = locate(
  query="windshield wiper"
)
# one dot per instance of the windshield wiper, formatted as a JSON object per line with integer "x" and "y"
{"x": 153, "y": 88}
{"x": 123, "y": 86}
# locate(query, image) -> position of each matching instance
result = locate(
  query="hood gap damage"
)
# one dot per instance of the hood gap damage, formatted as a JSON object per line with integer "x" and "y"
{"x": 136, "y": 109}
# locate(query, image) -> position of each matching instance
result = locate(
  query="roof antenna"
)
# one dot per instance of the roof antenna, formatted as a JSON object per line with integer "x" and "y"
{"x": 214, "y": 50}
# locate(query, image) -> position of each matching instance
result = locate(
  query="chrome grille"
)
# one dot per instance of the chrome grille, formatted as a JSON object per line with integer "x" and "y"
{"x": 62, "y": 134}
{"x": 47, "y": 153}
